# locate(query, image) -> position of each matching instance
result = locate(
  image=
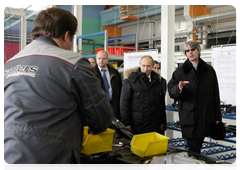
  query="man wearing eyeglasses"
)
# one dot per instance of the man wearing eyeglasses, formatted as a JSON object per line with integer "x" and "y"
{"x": 195, "y": 86}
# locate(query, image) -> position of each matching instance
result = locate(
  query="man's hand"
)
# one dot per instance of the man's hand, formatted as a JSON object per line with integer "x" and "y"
{"x": 162, "y": 125}
{"x": 129, "y": 127}
{"x": 182, "y": 84}
{"x": 217, "y": 121}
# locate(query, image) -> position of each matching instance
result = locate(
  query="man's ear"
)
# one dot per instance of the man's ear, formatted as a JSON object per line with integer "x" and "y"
{"x": 67, "y": 37}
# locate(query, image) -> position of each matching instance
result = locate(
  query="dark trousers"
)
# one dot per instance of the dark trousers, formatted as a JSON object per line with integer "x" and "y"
{"x": 195, "y": 144}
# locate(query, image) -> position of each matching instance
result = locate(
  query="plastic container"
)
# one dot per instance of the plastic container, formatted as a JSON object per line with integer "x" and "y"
{"x": 149, "y": 144}
{"x": 97, "y": 143}
{"x": 111, "y": 50}
{"x": 118, "y": 51}
{"x": 98, "y": 49}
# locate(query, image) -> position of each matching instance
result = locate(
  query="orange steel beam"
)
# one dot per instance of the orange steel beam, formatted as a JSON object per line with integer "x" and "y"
{"x": 197, "y": 10}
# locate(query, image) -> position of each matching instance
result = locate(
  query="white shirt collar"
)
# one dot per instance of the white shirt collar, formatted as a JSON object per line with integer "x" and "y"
{"x": 149, "y": 76}
{"x": 100, "y": 69}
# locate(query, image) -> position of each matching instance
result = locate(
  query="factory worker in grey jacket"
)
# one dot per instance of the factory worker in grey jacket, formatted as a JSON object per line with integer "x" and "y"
{"x": 50, "y": 92}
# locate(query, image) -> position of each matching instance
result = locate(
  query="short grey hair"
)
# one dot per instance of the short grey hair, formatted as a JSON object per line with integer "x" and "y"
{"x": 148, "y": 56}
{"x": 192, "y": 44}
{"x": 102, "y": 51}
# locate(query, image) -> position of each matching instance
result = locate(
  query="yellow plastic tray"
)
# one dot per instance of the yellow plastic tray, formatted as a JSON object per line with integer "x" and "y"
{"x": 149, "y": 144}
{"x": 97, "y": 143}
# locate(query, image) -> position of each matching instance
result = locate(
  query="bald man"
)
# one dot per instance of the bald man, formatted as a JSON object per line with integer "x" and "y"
{"x": 110, "y": 80}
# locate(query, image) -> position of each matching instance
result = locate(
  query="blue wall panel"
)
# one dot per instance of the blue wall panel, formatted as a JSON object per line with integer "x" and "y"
{"x": 92, "y": 11}
{"x": 91, "y": 23}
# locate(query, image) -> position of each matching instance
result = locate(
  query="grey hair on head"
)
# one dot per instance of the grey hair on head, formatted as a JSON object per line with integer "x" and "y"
{"x": 148, "y": 56}
{"x": 192, "y": 44}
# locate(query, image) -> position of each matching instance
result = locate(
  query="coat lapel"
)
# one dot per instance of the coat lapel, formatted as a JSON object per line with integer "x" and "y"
{"x": 112, "y": 73}
{"x": 189, "y": 70}
{"x": 193, "y": 76}
{"x": 201, "y": 68}
{"x": 99, "y": 76}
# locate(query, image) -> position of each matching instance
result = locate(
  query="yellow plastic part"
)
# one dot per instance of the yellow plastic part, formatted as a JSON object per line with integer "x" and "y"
{"x": 97, "y": 143}
{"x": 149, "y": 144}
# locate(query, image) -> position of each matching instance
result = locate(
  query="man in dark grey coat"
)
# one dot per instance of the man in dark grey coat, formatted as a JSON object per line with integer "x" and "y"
{"x": 195, "y": 86}
{"x": 49, "y": 93}
{"x": 142, "y": 101}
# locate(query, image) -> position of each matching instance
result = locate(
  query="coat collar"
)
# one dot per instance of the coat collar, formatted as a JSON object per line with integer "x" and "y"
{"x": 110, "y": 69}
{"x": 135, "y": 73}
{"x": 47, "y": 40}
{"x": 187, "y": 66}
{"x": 129, "y": 72}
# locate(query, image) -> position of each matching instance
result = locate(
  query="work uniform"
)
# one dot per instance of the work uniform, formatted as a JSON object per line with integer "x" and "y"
{"x": 49, "y": 93}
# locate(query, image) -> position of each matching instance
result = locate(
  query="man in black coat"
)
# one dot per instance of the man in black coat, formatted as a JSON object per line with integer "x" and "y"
{"x": 195, "y": 86}
{"x": 156, "y": 67}
{"x": 113, "y": 83}
{"x": 142, "y": 101}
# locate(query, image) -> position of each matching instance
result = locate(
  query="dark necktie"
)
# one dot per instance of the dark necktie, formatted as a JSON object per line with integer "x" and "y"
{"x": 106, "y": 84}
{"x": 148, "y": 79}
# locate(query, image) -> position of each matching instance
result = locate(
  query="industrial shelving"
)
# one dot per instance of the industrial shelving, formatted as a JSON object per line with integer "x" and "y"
{"x": 209, "y": 149}
{"x": 106, "y": 39}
